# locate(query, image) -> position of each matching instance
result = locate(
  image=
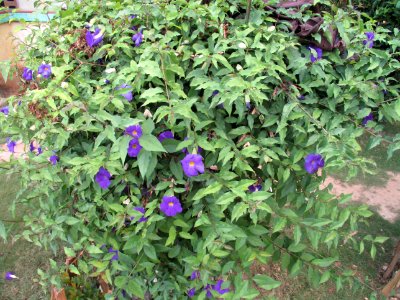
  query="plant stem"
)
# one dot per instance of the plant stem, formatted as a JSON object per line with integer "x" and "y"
{"x": 248, "y": 11}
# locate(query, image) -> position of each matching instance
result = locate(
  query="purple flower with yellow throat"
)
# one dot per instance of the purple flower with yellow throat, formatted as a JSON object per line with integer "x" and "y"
{"x": 134, "y": 148}
{"x": 313, "y": 162}
{"x": 134, "y": 131}
{"x": 170, "y": 206}
{"x": 45, "y": 70}
{"x": 192, "y": 165}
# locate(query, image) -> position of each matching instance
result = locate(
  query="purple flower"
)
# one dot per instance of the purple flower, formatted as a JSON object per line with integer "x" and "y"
{"x": 192, "y": 165}
{"x": 319, "y": 53}
{"x": 5, "y": 110}
{"x": 106, "y": 81}
{"x": 132, "y": 17}
{"x": 165, "y": 135}
{"x": 370, "y": 39}
{"x": 141, "y": 210}
{"x": 170, "y": 206}
{"x": 195, "y": 275}
{"x": 39, "y": 150}
{"x": 368, "y": 118}
{"x": 217, "y": 287}
{"x": 94, "y": 38}
{"x": 134, "y": 131}
{"x": 215, "y": 93}
{"x": 53, "y": 159}
{"x": 103, "y": 178}
{"x": 31, "y": 147}
{"x": 45, "y": 70}
{"x": 138, "y": 38}
{"x": 313, "y": 162}
{"x": 128, "y": 95}
{"x": 11, "y": 145}
{"x": 301, "y": 97}
{"x": 191, "y": 292}
{"x": 27, "y": 74}
{"x": 255, "y": 188}
{"x": 10, "y": 276}
{"x": 208, "y": 289}
{"x": 134, "y": 148}
{"x": 248, "y": 105}
{"x": 115, "y": 257}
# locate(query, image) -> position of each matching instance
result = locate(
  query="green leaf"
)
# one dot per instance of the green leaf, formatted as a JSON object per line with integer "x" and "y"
{"x": 92, "y": 249}
{"x": 73, "y": 269}
{"x": 324, "y": 262}
{"x": 134, "y": 288}
{"x": 151, "y": 143}
{"x": 150, "y": 252}
{"x": 266, "y": 282}
{"x": 171, "y": 236}
{"x": 144, "y": 158}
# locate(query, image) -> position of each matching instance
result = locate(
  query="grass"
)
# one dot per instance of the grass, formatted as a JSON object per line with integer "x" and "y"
{"x": 21, "y": 257}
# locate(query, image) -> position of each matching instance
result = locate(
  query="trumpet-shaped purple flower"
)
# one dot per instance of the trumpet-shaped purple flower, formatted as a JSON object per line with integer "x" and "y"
{"x": 137, "y": 38}
{"x": 319, "y": 53}
{"x": 313, "y": 162}
{"x": 255, "y": 188}
{"x": 193, "y": 165}
{"x": 170, "y": 206}
{"x": 134, "y": 131}
{"x": 103, "y": 178}
{"x": 45, "y": 70}
{"x": 27, "y": 74}
{"x": 128, "y": 95}
{"x": 215, "y": 93}
{"x": 39, "y": 150}
{"x": 31, "y": 147}
{"x": 301, "y": 97}
{"x": 115, "y": 257}
{"x": 195, "y": 275}
{"x": 191, "y": 292}
{"x": 368, "y": 118}
{"x": 94, "y": 38}
{"x": 54, "y": 159}
{"x": 11, "y": 145}
{"x": 10, "y": 276}
{"x": 5, "y": 110}
{"x": 134, "y": 148}
{"x": 370, "y": 39}
{"x": 218, "y": 287}
{"x": 165, "y": 135}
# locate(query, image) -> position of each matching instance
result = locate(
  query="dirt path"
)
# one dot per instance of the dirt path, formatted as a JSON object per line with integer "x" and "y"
{"x": 386, "y": 198}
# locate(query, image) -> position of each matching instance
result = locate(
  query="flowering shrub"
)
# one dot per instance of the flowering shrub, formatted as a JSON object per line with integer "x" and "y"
{"x": 181, "y": 144}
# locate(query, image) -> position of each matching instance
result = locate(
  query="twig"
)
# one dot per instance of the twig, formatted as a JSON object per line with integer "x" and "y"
{"x": 248, "y": 10}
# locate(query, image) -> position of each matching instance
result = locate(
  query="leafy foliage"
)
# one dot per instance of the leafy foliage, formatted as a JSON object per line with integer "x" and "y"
{"x": 221, "y": 84}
